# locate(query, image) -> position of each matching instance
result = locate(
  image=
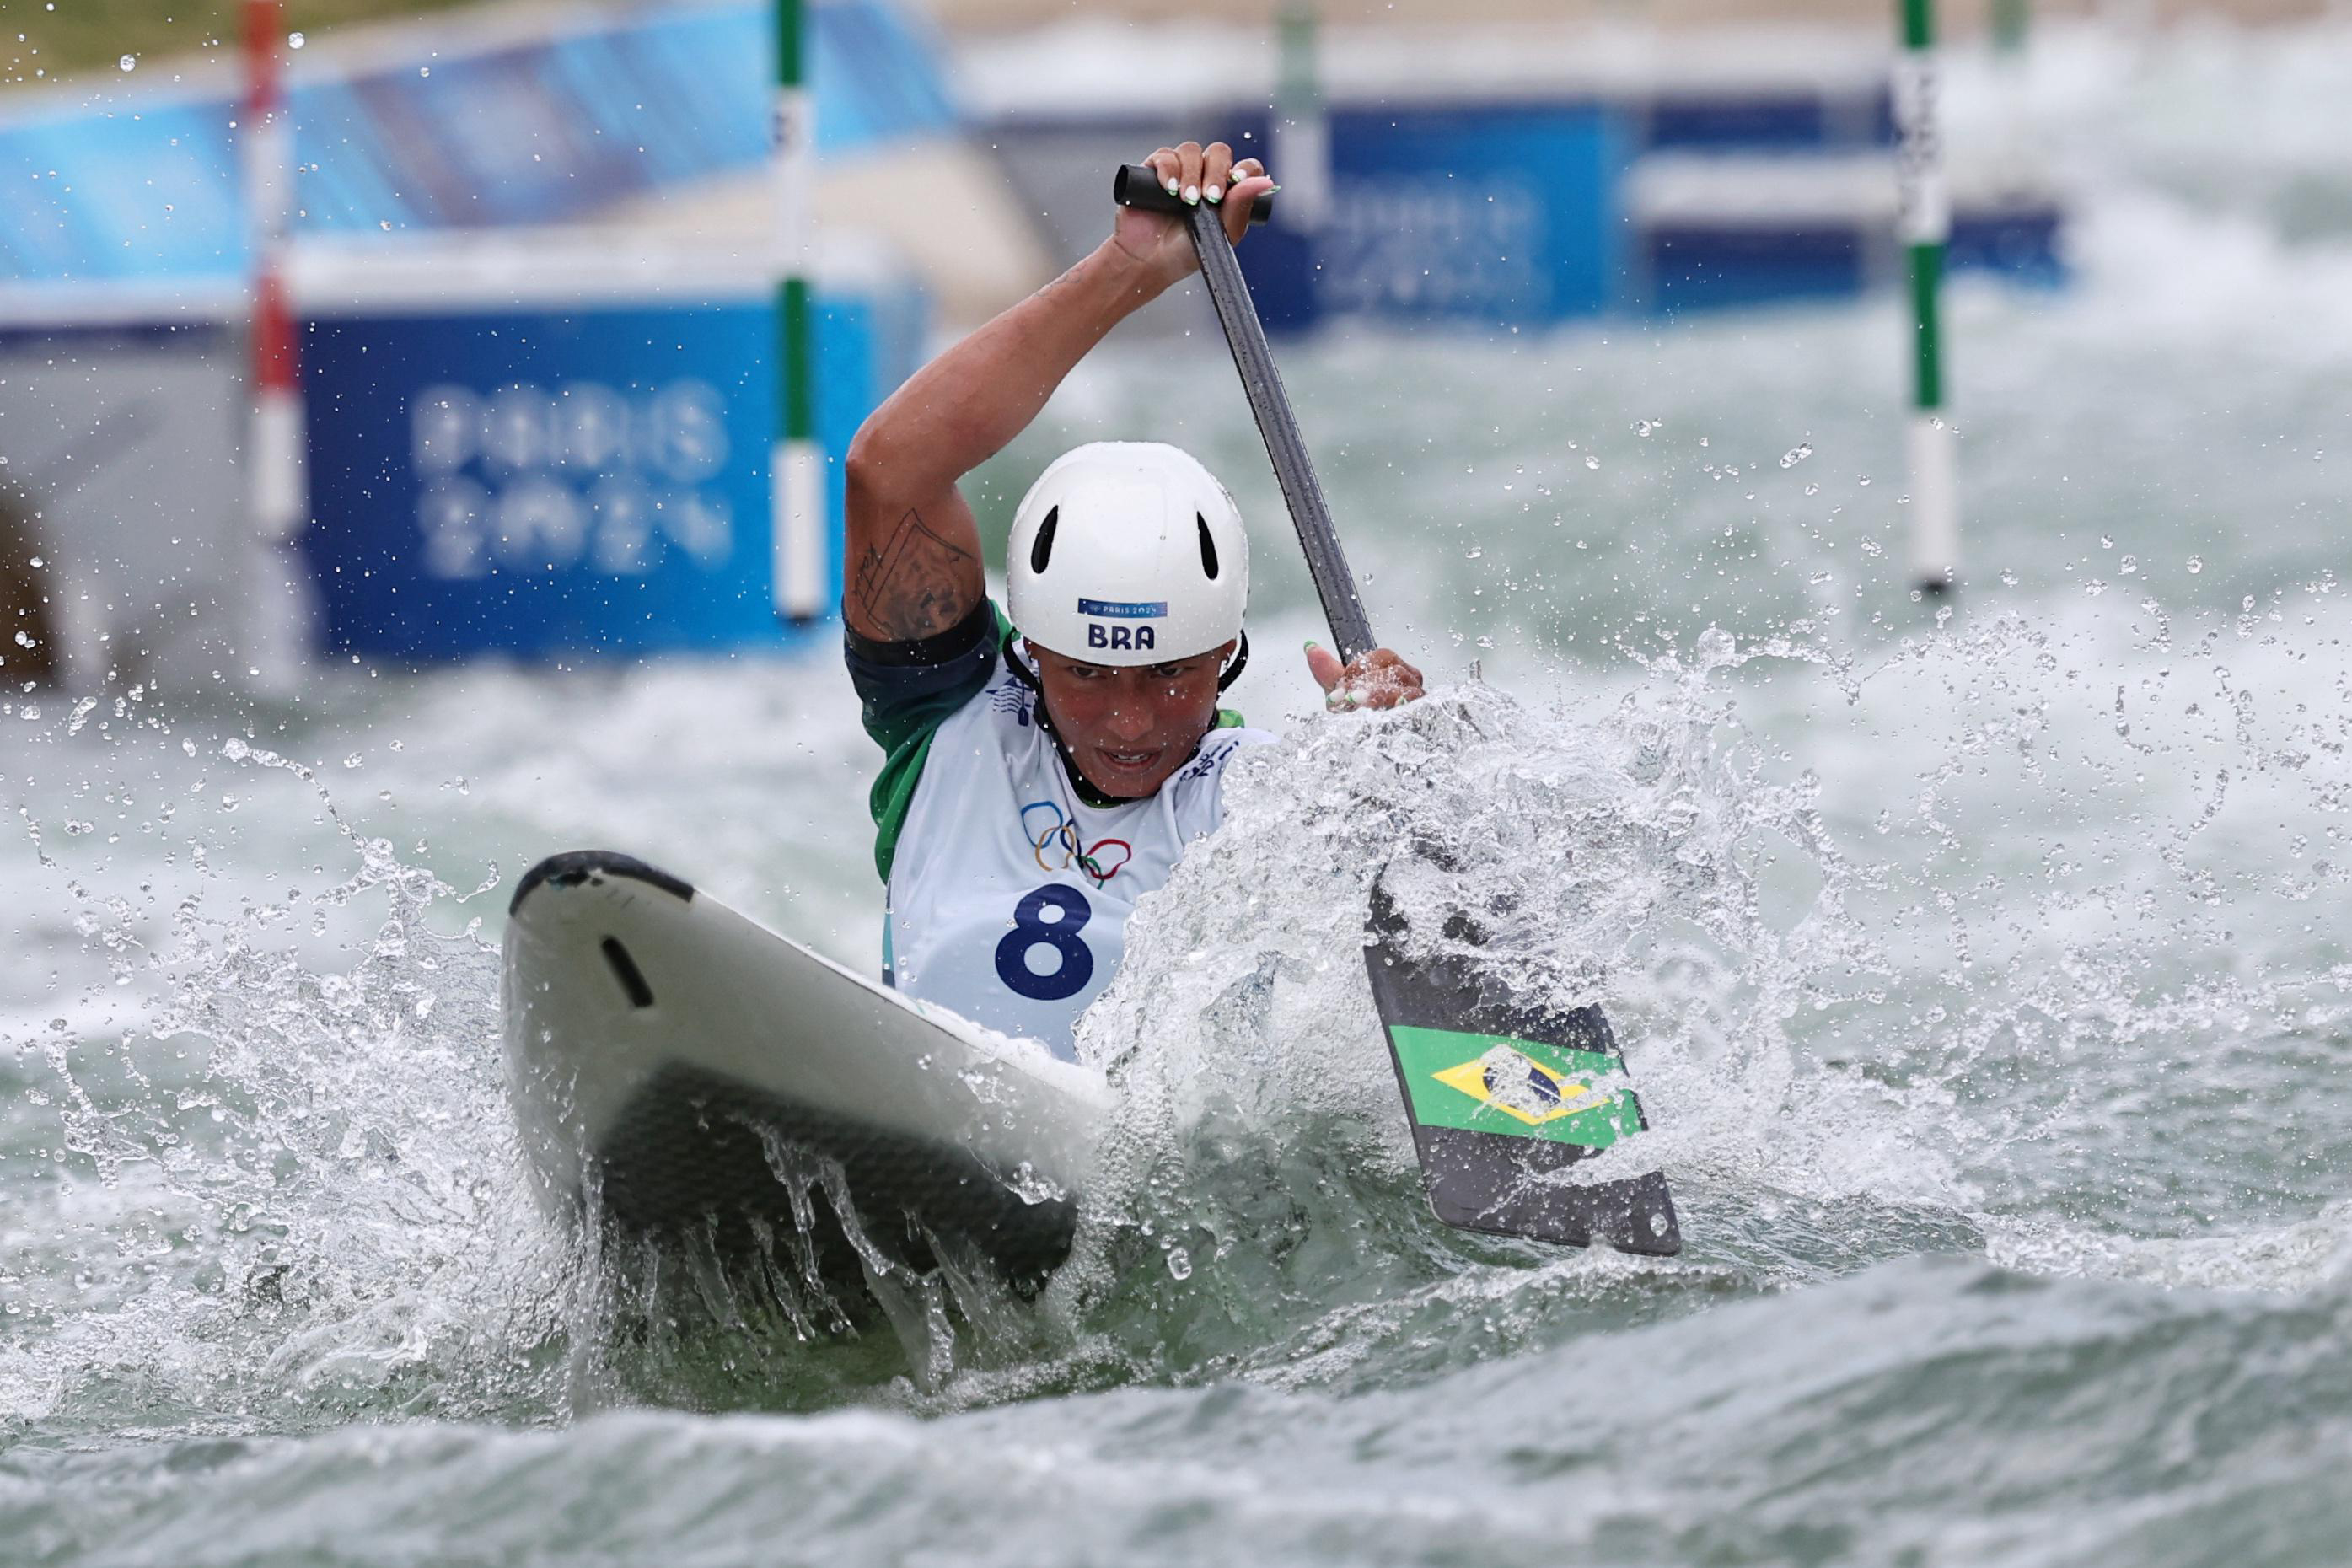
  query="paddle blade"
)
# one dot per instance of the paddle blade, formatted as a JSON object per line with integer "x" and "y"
{"x": 1504, "y": 1100}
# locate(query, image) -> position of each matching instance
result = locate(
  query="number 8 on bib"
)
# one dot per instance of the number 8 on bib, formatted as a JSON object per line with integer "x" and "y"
{"x": 1032, "y": 931}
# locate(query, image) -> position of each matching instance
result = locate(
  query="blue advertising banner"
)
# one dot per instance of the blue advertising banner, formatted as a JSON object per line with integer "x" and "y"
{"x": 588, "y": 480}
{"x": 1507, "y": 213}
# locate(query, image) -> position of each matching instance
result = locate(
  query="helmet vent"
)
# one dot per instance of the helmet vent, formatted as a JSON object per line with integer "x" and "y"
{"x": 1042, "y": 549}
{"x": 1208, "y": 548}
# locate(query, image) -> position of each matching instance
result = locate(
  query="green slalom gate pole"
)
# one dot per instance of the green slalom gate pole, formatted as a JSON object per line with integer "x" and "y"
{"x": 796, "y": 489}
{"x": 1923, "y": 225}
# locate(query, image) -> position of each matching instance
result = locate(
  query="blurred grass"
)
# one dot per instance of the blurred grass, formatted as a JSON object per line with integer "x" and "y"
{"x": 38, "y": 45}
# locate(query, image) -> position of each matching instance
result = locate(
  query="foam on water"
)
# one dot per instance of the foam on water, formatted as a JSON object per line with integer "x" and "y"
{"x": 326, "y": 1150}
{"x": 284, "y": 1190}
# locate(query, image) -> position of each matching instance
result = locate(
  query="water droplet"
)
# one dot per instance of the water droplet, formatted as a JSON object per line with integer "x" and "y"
{"x": 2095, "y": 587}
{"x": 129, "y": 62}
{"x": 1590, "y": 461}
{"x": 2196, "y": 564}
{"x": 424, "y": 70}
{"x": 1797, "y": 454}
{"x": 2128, "y": 564}
{"x": 295, "y": 40}
{"x": 1179, "y": 1263}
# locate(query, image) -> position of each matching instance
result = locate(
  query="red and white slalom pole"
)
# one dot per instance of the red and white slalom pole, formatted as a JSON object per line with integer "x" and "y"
{"x": 276, "y": 479}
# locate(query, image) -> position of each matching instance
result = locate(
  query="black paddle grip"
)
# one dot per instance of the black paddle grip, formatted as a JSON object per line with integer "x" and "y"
{"x": 1138, "y": 185}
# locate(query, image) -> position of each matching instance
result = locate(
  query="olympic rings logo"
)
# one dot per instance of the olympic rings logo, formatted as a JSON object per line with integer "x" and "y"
{"x": 1100, "y": 863}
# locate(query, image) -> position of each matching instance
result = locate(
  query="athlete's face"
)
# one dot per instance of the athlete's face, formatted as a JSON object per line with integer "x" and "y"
{"x": 1128, "y": 728}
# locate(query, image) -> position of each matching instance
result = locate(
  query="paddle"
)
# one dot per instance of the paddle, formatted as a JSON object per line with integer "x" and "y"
{"x": 1502, "y": 1099}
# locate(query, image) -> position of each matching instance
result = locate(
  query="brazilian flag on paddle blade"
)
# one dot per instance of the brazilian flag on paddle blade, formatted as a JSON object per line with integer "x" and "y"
{"x": 1504, "y": 1100}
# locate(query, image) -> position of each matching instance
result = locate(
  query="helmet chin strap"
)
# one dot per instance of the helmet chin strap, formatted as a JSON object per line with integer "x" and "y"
{"x": 1241, "y": 662}
{"x": 1020, "y": 667}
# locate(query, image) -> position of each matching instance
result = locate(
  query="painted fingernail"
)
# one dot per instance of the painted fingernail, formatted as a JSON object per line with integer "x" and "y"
{"x": 1191, "y": 195}
{"x": 1171, "y": 187}
{"x": 1271, "y": 189}
{"x": 1216, "y": 193}
{"x": 1312, "y": 644}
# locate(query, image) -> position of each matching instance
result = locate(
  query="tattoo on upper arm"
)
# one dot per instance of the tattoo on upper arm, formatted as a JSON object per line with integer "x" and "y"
{"x": 914, "y": 584}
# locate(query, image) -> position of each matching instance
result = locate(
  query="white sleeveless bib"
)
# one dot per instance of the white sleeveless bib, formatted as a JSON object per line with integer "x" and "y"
{"x": 1009, "y": 896}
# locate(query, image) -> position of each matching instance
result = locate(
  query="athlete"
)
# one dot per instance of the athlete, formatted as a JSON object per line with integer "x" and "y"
{"x": 1047, "y": 770}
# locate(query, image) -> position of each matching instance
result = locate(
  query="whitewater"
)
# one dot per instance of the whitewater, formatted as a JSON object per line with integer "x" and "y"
{"x": 1982, "y": 965}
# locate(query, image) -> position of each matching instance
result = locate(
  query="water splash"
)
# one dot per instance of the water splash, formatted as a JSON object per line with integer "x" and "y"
{"x": 288, "y": 1193}
{"x": 1639, "y": 860}
{"x": 286, "y": 1189}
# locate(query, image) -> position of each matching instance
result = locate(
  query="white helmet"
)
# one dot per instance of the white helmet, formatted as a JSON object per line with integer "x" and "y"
{"x": 1127, "y": 552}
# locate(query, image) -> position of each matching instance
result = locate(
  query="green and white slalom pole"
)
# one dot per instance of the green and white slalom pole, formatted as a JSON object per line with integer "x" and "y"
{"x": 796, "y": 509}
{"x": 1302, "y": 130}
{"x": 1923, "y": 225}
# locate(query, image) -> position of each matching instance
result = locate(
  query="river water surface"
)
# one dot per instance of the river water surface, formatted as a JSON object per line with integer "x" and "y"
{"x": 1983, "y": 967}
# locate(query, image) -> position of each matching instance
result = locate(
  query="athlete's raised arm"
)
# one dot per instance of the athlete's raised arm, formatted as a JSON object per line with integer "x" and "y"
{"x": 912, "y": 561}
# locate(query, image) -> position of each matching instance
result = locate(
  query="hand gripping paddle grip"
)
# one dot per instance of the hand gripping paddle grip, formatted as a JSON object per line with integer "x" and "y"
{"x": 1139, "y": 185}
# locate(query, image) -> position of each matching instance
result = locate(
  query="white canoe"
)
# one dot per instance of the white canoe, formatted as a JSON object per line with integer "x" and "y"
{"x": 683, "y": 1063}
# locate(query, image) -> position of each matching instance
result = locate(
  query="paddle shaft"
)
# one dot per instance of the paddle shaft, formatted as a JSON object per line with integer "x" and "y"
{"x": 1220, "y": 273}
{"x": 1475, "y": 1179}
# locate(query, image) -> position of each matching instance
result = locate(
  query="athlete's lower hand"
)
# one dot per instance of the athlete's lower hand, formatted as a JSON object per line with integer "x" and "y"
{"x": 1195, "y": 175}
{"x": 1376, "y": 679}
